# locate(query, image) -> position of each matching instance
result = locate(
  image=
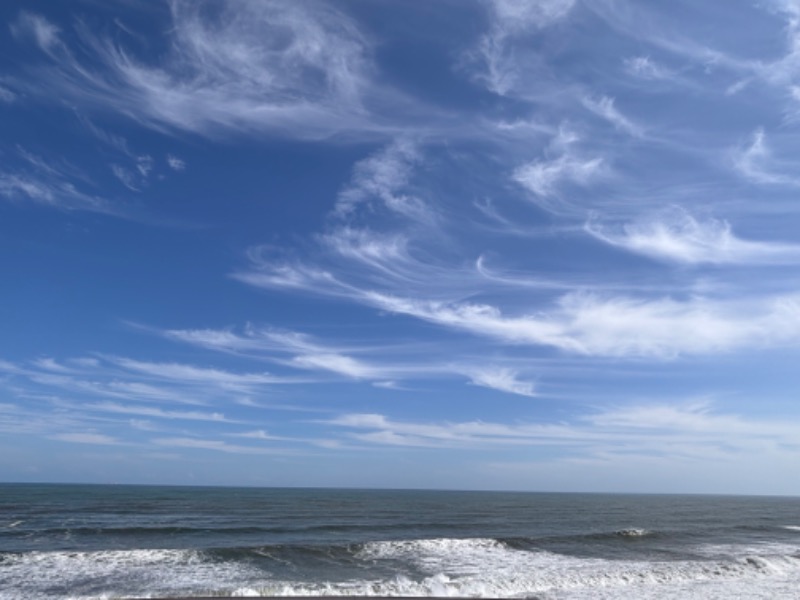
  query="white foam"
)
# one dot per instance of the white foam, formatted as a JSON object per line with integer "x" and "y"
{"x": 112, "y": 573}
{"x": 467, "y": 568}
{"x": 463, "y": 556}
{"x": 792, "y": 527}
{"x": 487, "y": 568}
{"x": 740, "y": 551}
{"x": 633, "y": 533}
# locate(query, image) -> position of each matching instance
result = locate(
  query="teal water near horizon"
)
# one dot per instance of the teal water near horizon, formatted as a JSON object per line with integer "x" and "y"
{"x": 94, "y": 541}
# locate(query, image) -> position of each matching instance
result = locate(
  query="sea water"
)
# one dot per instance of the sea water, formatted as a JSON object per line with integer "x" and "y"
{"x": 82, "y": 541}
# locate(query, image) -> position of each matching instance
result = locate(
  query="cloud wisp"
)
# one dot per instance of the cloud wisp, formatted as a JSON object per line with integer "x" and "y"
{"x": 564, "y": 165}
{"x": 30, "y": 178}
{"x": 643, "y": 429}
{"x": 509, "y": 20}
{"x": 677, "y": 236}
{"x": 293, "y": 68}
{"x": 383, "y": 365}
{"x": 756, "y": 162}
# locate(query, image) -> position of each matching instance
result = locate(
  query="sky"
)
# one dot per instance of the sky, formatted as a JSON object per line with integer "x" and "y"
{"x": 546, "y": 245}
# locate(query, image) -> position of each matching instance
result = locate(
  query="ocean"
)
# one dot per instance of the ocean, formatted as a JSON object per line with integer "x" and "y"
{"x": 87, "y": 541}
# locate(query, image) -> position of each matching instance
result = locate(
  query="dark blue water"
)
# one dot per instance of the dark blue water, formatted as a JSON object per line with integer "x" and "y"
{"x": 60, "y": 541}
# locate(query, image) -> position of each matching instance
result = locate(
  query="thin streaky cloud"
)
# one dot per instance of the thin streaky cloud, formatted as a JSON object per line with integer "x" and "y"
{"x": 225, "y": 73}
{"x": 6, "y": 95}
{"x": 756, "y": 162}
{"x": 504, "y": 380}
{"x": 200, "y": 375}
{"x": 97, "y": 439}
{"x": 157, "y": 413}
{"x": 217, "y": 446}
{"x": 175, "y": 163}
{"x": 337, "y": 363}
{"x": 500, "y": 67}
{"x": 677, "y": 236}
{"x": 642, "y": 429}
{"x": 50, "y": 183}
{"x": 592, "y": 325}
{"x": 45, "y": 34}
{"x": 384, "y": 178}
{"x": 563, "y": 164}
{"x": 604, "y": 107}
{"x": 646, "y": 68}
{"x": 125, "y": 177}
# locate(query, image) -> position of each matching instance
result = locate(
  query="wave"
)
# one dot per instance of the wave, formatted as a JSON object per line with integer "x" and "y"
{"x": 632, "y": 533}
{"x": 475, "y": 567}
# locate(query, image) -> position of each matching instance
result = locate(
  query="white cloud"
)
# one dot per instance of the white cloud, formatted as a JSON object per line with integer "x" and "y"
{"x": 7, "y": 95}
{"x": 259, "y": 434}
{"x": 518, "y": 16}
{"x": 86, "y": 438}
{"x": 604, "y": 108}
{"x": 510, "y": 20}
{"x": 215, "y": 339}
{"x": 49, "y": 183}
{"x": 126, "y": 177}
{"x": 298, "y": 68}
{"x": 545, "y": 177}
{"x": 385, "y": 253}
{"x": 136, "y": 382}
{"x": 215, "y": 445}
{"x": 644, "y": 67}
{"x": 43, "y": 32}
{"x": 691, "y": 430}
{"x": 197, "y": 375}
{"x": 337, "y": 363}
{"x": 502, "y": 379}
{"x": 175, "y": 163}
{"x": 386, "y": 385}
{"x": 588, "y": 324}
{"x": 16, "y": 186}
{"x": 384, "y": 180}
{"x": 144, "y": 164}
{"x": 756, "y": 163}
{"x": 677, "y": 236}
{"x": 271, "y": 344}
{"x": 159, "y": 413}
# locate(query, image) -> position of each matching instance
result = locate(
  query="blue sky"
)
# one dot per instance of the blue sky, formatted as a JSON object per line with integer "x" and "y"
{"x": 489, "y": 244}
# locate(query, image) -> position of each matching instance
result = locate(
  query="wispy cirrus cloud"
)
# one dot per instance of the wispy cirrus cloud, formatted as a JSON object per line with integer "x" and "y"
{"x": 502, "y": 379}
{"x": 677, "y": 236}
{"x": 640, "y": 429}
{"x": 589, "y": 324}
{"x": 217, "y": 446}
{"x": 6, "y": 95}
{"x": 52, "y": 183}
{"x": 604, "y": 107}
{"x": 297, "y": 68}
{"x": 757, "y": 163}
{"x": 157, "y": 413}
{"x": 288, "y": 348}
{"x": 646, "y": 68}
{"x": 45, "y": 34}
{"x": 175, "y": 163}
{"x": 384, "y": 179}
{"x": 96, "y": 439}
{"x": 197, "y": 375}
{"x": 124, "y": 379}
{"x": 563, "y": 165}
{"x": 501, "y": 66}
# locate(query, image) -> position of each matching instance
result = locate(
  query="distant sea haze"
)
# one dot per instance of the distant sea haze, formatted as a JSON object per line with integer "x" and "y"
{"x": 93, "y": 542}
